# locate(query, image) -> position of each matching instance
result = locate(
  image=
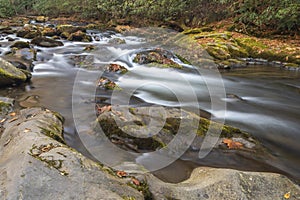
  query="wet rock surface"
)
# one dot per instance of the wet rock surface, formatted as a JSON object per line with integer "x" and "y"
{"x": 9, "y": 74}
{"x": 36, "y": 166}
{"x": 46, "y": 42}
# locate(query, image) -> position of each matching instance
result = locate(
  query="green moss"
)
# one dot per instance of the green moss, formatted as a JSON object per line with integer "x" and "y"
{"x": 54, "y": 133}
{"x": 226, "y": 131}
{"x": 56, "y": 164}
{"x": 223, "y": 35}
{"x": 252, "y": 46}
{"x": 182, "y": 59}
{"x": 143, "y": 188}
{"x": 218, "y": 51}
{"x": 110, "y": 128}
{"x": 197, "y": 30}
{"x": 173, "y": 65}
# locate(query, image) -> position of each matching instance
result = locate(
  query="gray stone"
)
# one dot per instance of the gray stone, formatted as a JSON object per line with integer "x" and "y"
{"x": 35, "y": 166}
{"x": 210, "y": 183}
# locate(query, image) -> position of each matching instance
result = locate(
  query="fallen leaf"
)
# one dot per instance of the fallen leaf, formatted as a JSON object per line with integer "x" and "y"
{"x": 3, "y": 120}
{"x": 232, "y": 144}
{"x": 27, "y": 130}
{"x": 103, "y": 109}
{"x": 135, "y": 181}
{"x": 13, "y": 119}
{"x": 287, "y": 195}
{"x": 121, "y": 174}
{"x": 114, "y": 67}
{"x": 12, "y": 114}
{"x": 7, "y": 142}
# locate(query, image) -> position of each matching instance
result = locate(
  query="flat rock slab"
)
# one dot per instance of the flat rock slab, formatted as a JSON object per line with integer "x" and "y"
{"x": 210, "y": 183}
{"x": 35, "y": 166}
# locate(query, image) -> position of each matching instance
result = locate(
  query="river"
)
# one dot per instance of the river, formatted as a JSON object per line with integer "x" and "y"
{"x": 261, "y": 99}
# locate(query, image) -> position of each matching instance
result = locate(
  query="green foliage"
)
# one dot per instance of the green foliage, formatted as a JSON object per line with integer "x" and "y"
{"x": 263, "y": 14}
{"x": 276, "y": 14}
{"x": 6, "y": 9}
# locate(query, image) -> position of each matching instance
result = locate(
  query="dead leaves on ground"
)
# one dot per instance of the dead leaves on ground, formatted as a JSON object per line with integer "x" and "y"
{"x": 116, "y": 68}
{"x": 123, "y": 174}
{"x": 232, "y": 144}
{"x": 106, "y": 83}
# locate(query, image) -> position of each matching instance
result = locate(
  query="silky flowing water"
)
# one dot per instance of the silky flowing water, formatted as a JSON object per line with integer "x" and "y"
{"x": 262, "y": 100}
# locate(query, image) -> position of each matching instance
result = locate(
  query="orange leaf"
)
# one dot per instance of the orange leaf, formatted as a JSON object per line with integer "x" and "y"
{"x": 232, "y": 144}
{"x": 12, "y": 114}
{"x": 287, "y": 195}
{"x": 103, "y": 109}
{"x": 135, "y": 181}
{"x": 121, "y": 174}
{"x": 27, "y": 130}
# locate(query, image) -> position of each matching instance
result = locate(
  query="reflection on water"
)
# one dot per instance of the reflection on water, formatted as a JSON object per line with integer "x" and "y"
{"x": 263, "y": 100}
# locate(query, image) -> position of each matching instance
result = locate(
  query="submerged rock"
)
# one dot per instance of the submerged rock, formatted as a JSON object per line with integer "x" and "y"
{"x": 33, "y": 165}
{"x": 9, "y": 74}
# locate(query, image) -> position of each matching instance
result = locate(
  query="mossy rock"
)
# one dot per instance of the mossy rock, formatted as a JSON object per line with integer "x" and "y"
{"x": 69, "y": 28}
{"x": 47, "y": 31}
{"x": 9, "y": 74}
{"x": 252, "y": 46}
{"x": 223, "y": 35}
{"x": 197, "y": 30}
{"x": 157, "y": 58}
{"x": 20, "y": 45}
{"x": 46, "y": 42}
{"x": 6, "y": 105}
{"x": 80, "y": 36}
{"x": 218, "y": 51}
{"x": 130, "y": 125}
{"x": 41, "y": 19}
{"x": 33, "y": 34}
{"x": 117, "y": 41}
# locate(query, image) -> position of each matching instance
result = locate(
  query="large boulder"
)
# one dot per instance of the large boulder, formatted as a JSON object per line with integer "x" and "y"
{"x": 35, "y": 164}
{"x": 211, "y": 183}
{"x": 9, "y": 74}
{"x": 68, "y": 28}
{"x": 80, "y": 36}
{"x": 46, "y": 42}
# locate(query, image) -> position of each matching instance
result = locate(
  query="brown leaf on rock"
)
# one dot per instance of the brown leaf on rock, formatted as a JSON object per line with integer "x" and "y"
{"x": 103, "y": 109}
{"x": 232, "y": 144}
{"x": 27, "y": 130}
{"x": 135, "y": 181}
{"x": 13, "y": 114}
{"x": 121, "y": 174}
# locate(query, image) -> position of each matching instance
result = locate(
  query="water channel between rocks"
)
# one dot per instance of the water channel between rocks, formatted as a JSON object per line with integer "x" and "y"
{"x": 262, "y": 100}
